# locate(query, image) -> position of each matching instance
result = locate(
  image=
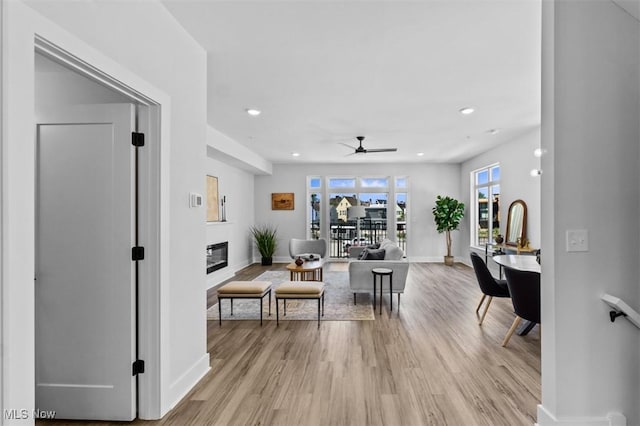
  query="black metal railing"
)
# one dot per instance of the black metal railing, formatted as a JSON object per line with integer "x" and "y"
{"x": 344, "y": 234}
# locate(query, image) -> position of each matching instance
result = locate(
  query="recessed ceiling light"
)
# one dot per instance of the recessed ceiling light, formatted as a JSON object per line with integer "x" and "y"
{"x": 253, "y": 112}
{"x": 467, "y": 110}
{"x": 539, "y": 152}
{"x": 535, "y": 172}
{"x": 295, "y": 154}
{"x": 420, "y": 154}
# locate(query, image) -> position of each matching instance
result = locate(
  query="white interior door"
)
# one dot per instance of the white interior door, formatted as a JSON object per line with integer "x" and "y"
{"x": 85, "y": 278}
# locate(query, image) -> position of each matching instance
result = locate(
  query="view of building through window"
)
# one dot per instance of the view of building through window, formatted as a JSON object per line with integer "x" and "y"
{"x": 344, "y": 230}
{"x": 486, "y": 191}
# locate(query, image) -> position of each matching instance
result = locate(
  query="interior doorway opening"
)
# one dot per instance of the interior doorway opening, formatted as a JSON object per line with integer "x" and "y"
{"x": 63, "y": 80}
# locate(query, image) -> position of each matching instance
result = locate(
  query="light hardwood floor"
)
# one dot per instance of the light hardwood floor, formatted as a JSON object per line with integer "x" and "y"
{"x": 431, "y": 365}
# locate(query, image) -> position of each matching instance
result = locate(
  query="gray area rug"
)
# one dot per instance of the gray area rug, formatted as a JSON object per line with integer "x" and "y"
{"x": 338, "y": 302}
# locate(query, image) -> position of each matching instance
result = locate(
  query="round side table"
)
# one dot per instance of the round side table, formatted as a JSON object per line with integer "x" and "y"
{"x": 383, "y": 272}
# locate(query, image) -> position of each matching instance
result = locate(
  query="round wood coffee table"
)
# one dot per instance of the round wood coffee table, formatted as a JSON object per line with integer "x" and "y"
{"x": 310, "y": 270}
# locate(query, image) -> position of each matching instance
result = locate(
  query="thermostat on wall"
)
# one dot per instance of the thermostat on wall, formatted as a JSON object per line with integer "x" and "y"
{"x": 195, "y": 199}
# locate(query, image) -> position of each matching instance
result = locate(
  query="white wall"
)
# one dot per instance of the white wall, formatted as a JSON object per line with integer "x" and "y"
{"x": 56, "y": 85}
{"x": 426, "y": 181}
{"x": 516, "y": 162}
{"x": 238, "y": 186}
{"x": 590, "y": 110}
{"x": 2, "y": 201}
{"x": 140, "y": 44}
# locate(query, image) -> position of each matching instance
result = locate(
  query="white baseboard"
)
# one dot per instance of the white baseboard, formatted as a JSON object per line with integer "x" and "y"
{"x": 465, "y": 262}
{"x": 415, "y": 259}
{"x": 185, "y": 383}
{"x": 545, "y": 418}
{"x": 429, "y": 259}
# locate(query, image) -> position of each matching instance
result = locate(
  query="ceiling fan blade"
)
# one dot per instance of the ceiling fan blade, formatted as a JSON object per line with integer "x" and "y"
{"x": 348, "y": 146}
{"x": 382, "y": 150}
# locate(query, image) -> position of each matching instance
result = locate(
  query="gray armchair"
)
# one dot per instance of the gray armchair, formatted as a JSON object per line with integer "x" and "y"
{"x": 299, "y": 247}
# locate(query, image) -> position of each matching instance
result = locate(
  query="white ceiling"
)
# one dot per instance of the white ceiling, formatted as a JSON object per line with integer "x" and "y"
{"x": 396, "y": 72}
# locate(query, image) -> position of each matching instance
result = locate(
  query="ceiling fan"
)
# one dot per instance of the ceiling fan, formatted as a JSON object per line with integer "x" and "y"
{"x": 361, "y": 150}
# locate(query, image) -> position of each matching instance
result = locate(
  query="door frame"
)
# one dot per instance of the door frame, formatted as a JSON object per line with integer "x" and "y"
{"x": 2, "y": 48}
{"x": 153, "y": 107}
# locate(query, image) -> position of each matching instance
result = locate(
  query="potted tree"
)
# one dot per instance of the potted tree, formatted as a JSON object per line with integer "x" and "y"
{"x": 447, "y": 214}
{"x": 265, "y": 238}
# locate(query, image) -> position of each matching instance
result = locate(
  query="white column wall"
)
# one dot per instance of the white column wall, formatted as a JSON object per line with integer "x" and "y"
{"x": 141, "y": 44}
{"x": 238, "y": 187}
{"x": 590, "y": 111}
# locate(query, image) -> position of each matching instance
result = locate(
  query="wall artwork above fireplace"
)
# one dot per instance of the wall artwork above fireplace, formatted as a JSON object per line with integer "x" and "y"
{"x": 213, "y": 212}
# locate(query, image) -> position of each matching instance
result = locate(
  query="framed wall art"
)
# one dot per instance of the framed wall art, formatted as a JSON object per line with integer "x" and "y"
{"x": 213, "y": 211}
{"x": 282, "y": 201}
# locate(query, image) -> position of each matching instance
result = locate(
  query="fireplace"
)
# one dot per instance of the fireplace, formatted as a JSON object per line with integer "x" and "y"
{"x": 217, "y": 256}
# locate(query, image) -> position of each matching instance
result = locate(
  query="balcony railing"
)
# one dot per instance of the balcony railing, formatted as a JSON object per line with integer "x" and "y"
{"x": 344, "y": 234}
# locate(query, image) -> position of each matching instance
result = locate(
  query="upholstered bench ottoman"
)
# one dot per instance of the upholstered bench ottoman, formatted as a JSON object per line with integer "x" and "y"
{"x": 244, "y": 290}
{"x": 299, "y": 290}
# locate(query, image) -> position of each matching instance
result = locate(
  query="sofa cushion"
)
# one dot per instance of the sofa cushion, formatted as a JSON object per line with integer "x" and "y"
{"x": 385, "y": 242}
{"x": 374, "y": 254}
{"x": 393, "y": 252}
{"x": 362, "y": 254}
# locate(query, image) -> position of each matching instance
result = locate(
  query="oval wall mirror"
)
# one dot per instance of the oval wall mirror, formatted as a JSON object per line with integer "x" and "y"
{"x": 516, "y": 223}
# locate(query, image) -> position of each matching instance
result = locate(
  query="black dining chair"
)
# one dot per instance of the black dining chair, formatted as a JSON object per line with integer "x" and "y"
{"x": 524, "y": 287}
{"x": 488, "y": 285}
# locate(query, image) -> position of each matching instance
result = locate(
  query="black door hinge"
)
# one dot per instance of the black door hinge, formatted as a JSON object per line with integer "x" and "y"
{"x": 137, "y": 367}
{"x": 137, "y": 253}
{"x": 137, "y": 139}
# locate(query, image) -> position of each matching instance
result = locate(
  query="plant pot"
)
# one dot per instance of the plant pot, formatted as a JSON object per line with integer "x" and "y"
{"x": 448, "y": 260}
{"x": 266, "y": 261}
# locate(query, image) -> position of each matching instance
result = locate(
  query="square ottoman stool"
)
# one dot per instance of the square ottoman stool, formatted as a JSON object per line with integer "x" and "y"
{"x": 244, "y": 290}
{"x": 299, "y": 290}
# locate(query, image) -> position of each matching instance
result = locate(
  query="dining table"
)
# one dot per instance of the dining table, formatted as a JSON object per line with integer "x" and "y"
{"x": 522, "y": 263}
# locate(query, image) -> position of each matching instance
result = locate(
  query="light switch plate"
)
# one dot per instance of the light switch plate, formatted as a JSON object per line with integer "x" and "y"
{"x": 577, "y": 240}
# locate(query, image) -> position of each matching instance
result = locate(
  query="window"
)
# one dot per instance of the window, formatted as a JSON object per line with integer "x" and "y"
{"x": 384, "y": 200}
{"x": 401, "y": 212}
{"x": 315, "y": 195}
{"x": 374, "y": 182}
{"x": 342, "y": 183}
{"x": 485, "y": 194}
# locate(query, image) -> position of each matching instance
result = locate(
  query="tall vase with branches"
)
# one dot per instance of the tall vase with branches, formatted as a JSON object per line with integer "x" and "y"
{"x": 447, "y": 214}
